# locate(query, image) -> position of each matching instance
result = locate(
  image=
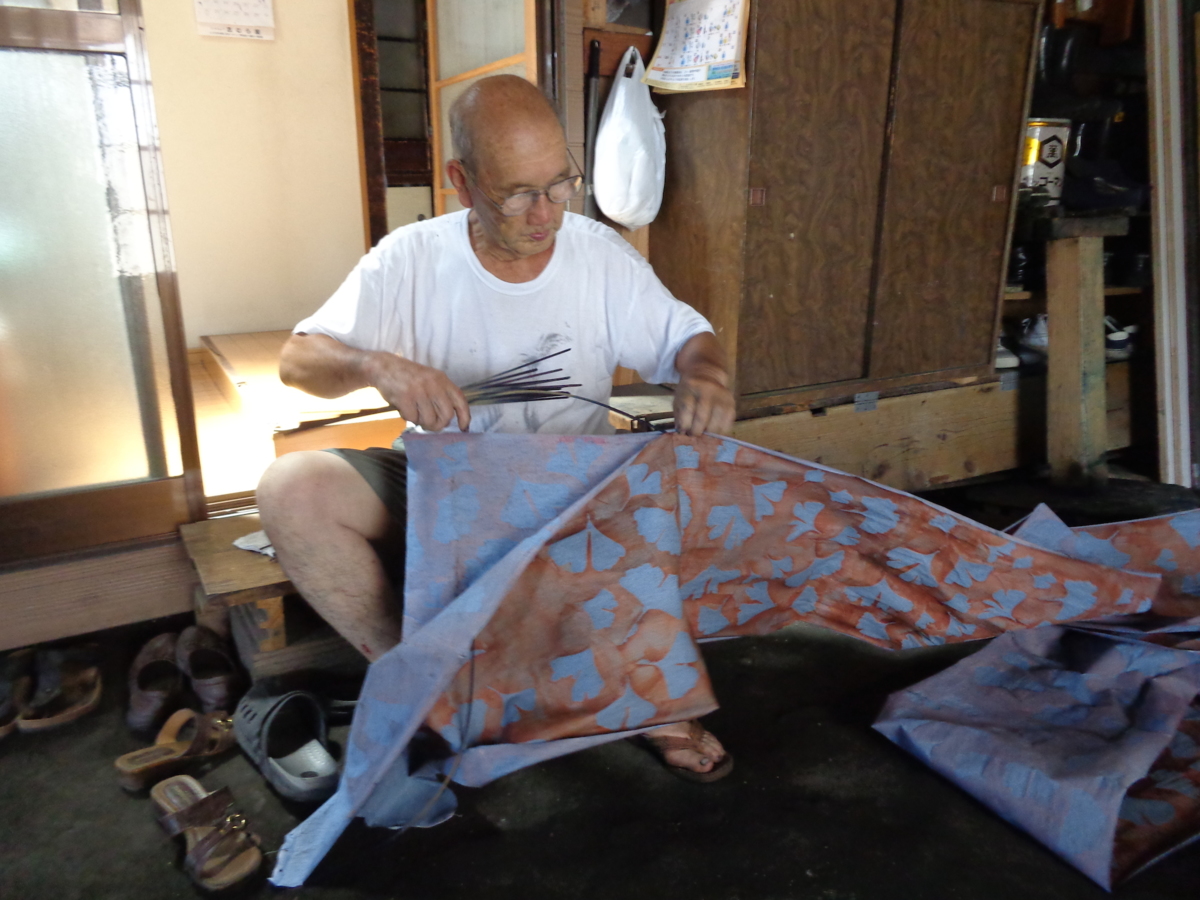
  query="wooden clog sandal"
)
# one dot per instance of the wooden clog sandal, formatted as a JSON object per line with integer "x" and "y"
{"x": 664, "y": 744}
{"x": 221, "y": 851}
{"x": 205, "y": 658}
{"x": 186, "y": 736}
{"x": 15, "y": 687}
{"x": 68, "y": 685}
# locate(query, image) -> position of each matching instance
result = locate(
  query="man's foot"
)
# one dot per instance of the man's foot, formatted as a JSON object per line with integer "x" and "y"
{"x": 689, "y": 751}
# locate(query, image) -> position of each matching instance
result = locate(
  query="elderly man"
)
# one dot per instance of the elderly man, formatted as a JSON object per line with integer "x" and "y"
{"x": 453, "y": 300}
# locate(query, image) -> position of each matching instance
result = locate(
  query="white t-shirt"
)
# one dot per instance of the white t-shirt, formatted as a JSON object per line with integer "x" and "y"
{"x": 422, "y": 293}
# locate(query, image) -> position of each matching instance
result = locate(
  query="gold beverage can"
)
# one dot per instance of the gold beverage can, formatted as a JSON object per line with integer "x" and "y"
{"x": 1045, "y": 158}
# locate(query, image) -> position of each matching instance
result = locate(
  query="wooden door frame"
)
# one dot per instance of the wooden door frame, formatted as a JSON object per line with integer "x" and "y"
{"x": 33, "y": 527}
{"x": 1164, "y": 61}
{"x": 529, "y": 56}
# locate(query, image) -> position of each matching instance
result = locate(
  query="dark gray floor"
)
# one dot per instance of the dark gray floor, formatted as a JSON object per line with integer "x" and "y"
{"x": 819, "y": 806}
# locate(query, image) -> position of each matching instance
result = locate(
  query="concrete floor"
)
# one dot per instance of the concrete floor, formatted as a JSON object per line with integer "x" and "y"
{"x": 819, "y": 806}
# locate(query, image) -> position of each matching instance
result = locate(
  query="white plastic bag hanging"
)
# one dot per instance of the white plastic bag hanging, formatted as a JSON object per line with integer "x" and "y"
{"x": 631, "y": 149}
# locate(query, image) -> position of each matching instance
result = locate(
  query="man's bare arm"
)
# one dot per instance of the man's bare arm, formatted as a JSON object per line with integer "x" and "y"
{"x": 320, "y": 365}
{"x": 703, "y": 401}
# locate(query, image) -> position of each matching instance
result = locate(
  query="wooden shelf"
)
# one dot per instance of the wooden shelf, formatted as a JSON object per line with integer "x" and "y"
{"x": 1108, "y": 292}
{"x": 1023, "y": 304}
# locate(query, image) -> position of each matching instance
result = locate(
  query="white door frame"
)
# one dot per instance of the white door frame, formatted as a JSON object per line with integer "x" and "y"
{"x": 1164, "y": 60}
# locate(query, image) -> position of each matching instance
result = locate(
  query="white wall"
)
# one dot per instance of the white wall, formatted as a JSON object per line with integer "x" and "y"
{"x": 260, "y": 152}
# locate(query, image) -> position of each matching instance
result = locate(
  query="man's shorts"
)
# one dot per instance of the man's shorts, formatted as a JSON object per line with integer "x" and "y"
{"x": 386, "y": 471}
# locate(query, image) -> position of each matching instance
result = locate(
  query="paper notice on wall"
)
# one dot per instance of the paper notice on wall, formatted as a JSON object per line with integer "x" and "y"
{"x": 253, "y": 19}
{"x": 703, "y": 46}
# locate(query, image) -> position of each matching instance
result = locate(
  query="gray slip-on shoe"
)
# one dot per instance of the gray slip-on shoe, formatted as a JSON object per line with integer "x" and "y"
{"x": 286, "y": 737}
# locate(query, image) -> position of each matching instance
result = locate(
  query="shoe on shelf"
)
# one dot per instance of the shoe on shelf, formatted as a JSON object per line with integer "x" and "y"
{"x": 1118, "y": 341}
{"x": 1005, "y": 358}
{"x": 1035, "y": 334}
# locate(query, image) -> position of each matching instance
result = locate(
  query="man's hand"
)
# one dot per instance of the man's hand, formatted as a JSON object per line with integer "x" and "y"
{"x": 703, "y": 401}
{"x": 320, "y": 365}
{"x": 424, "y": 396}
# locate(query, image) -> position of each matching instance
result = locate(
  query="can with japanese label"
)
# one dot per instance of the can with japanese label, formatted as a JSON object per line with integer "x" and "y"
{"x": 1045, "y": 158}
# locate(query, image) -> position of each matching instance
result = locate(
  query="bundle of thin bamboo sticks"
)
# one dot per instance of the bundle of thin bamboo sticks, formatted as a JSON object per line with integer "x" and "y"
{"x": 521, "y": 384}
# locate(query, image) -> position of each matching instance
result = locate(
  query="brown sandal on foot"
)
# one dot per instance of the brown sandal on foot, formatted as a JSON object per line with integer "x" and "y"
{"x": 221, "y": 851}
{"x": 186, "y": 736}
{"x": 664, "y": 744}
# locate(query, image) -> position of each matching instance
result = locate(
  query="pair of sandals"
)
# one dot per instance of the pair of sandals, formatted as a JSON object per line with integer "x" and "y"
{"x": 157, "y": 676}
{"x": 48, "y": 688}
{"x": 220, "y": 849}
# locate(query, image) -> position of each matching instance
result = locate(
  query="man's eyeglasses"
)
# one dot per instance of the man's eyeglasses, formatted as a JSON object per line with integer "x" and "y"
{"x": 516, "y": 204}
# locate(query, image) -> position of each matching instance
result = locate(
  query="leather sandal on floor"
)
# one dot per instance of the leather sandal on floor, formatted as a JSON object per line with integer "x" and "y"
{"x": 155, "y": 684}
{"x": 204, "y": 657}
{"x": 662, "y": 744}
{"x": 185, "y": 737}
{"x": 285, "y": 736}
{"x": 66, "y": 686}
{"x": 221, "y": 851}
{"x": 15, "y": 688}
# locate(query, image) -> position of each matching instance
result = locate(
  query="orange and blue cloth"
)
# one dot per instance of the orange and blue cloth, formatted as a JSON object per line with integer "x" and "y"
{"x": 559, "y": 590}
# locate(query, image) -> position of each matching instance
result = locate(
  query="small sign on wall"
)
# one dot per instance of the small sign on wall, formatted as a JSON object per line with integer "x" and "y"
{"x": 254, "y": 19}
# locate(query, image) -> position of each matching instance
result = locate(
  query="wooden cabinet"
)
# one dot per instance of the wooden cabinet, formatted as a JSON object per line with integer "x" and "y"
{"x": 843, "y": 220}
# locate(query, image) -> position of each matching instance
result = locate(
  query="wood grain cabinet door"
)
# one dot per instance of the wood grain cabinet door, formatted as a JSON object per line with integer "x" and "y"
{"x": 820, "y": 98}
{"x": 958, "y": 118}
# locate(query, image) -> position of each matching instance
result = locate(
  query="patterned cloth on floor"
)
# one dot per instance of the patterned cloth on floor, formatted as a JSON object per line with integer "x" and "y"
{"x": 557, "y": 589}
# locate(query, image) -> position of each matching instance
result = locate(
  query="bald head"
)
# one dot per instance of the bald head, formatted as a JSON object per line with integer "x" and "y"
{"x": 505, "y": 114}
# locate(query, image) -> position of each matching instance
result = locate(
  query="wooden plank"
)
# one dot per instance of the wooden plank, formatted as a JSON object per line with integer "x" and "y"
{"x": 76, "y": 520}
{"x": 221, "y": 373}
{"x": 959, "y": 117}
{"x": 310, "y": 644}
{"x": 912, "y": 442}
{"x": 354, "y": 435}
{"x": 774, "y": 402}
{"x": 58, "y": 600}
{"x": 1081, "y": 226}
{"x": 1075, "y": 395}
{"x": 228, "y": 574}
{"x": 250, "y": 363}
{"x": 820, "y": 94}
{"x": 369, "y": 116}
{"x": 270, "y": 633}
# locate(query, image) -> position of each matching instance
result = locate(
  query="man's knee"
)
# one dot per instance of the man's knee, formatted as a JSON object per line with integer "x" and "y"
{"x": 315, "y": 489}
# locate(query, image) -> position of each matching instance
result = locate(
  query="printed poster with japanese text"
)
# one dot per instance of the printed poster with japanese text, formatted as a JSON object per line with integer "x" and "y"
{"x": 703, "y": 46}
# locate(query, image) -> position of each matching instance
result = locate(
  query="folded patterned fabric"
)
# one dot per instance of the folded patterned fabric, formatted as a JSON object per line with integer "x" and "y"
{"x": 1167, "y": 545}
{"x": 1089, "y": 741}
{"x": 558, "y": 589}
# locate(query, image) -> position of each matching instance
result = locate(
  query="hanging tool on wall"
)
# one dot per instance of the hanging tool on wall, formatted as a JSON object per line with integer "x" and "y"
{"x": 593, "y": 123}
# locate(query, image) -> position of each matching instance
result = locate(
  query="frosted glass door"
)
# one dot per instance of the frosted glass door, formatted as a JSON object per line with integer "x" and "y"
{"x": 84, "y": 398}
{"x": 469, "y": 40}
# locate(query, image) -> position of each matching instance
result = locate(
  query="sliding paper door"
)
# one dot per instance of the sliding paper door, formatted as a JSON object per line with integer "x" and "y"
{"x": 468, "y": 40}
